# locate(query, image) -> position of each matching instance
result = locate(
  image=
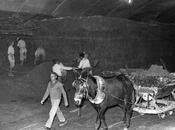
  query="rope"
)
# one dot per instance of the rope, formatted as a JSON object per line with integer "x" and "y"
{"x": 120, "y": 99}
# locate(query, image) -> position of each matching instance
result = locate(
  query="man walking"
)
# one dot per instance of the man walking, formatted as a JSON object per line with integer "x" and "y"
{"x": 55, "y": 90}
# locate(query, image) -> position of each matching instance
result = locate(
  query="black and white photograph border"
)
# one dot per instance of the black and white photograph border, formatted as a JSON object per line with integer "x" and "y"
{"x": 87, "y": 64}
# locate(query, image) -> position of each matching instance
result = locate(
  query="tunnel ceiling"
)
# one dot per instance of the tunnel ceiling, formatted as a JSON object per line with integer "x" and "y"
{"x": 140, "y": 10}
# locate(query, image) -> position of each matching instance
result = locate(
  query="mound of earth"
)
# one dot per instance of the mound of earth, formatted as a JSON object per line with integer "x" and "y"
{"x": 39, "y": 77}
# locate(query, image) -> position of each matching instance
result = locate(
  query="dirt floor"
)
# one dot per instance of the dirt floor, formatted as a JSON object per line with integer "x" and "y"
{"x": 20, "y": 107}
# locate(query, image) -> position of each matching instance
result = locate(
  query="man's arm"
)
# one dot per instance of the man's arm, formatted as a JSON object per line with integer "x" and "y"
{"x": 66, "y": 68}
{"x": 45, "y": 95}
{"x": 64, "y": 95}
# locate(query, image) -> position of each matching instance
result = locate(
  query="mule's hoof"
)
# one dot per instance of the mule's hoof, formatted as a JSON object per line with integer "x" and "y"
{"x": 125, "y": 128}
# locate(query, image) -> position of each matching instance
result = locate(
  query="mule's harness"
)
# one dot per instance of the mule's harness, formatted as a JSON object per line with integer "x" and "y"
{"x": 85, "y": 87}
{"x": 95, "y": 101}
{"x": 99, "y": 96}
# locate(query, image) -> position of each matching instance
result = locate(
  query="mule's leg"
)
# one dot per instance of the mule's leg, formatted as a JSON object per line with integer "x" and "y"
{"x": 104, "y": 121}
{"x": 124, "y": 114}
{"x": 99, "y": 119}
{"x": 128, "y": 117}
{"x": 97, "y": 125}
{"x": 102, "y": 118}
{"x": 79, "y": 111}
{"x": 97, "y": 122}
{"x": 124, "y": 110}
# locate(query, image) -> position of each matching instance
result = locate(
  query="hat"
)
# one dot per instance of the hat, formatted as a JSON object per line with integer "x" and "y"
{"x": 54, "y": 61}
{"x": 81, "y": 54}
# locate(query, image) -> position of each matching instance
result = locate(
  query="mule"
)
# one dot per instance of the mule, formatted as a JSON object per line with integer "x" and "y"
{"x": 117, "y": 91}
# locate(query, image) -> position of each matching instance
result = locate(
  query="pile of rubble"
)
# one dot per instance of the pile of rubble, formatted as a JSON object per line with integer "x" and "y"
{"x": 155, "y": 76}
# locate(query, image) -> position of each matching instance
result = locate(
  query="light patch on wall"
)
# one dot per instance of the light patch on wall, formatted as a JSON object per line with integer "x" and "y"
{"x": 127, "y": 1}
{"x": 130, "y": 1}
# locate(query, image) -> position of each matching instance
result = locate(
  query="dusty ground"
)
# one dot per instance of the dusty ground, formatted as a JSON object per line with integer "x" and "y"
{"x": 20, "y": 107}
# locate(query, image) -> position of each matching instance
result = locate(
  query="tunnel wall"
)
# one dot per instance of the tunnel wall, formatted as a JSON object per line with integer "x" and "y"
{"x": 115, "y": 42}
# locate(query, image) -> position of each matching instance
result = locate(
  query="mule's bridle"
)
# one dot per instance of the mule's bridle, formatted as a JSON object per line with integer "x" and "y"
{"x": 85, "y": 87}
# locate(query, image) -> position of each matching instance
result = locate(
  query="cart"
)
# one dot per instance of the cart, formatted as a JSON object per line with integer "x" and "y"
{"x": 155, "y": 90}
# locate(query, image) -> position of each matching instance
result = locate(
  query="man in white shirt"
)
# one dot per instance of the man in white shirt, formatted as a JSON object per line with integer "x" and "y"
{"x": 60, "y": 70}
{"x": 84, "y": 63}
{"x": 22, "y": 50}
{"x": 40, "y": 55}
{"x": 11, "y": 58}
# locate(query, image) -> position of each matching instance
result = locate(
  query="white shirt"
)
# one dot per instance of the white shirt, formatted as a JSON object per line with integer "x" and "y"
{"x": 58, "y": 68}
{"x": 84, "y": 63}
{"x": 39, "y": 51}
{"x": 11, "y": 50}
{"x": 24, "y": 50}
{"x": 21, "y": 44}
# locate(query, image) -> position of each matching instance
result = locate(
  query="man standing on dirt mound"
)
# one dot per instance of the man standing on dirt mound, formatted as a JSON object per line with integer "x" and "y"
{"x": 40, "y": 55}
{"x": 22, "y": 50}
{"x": 55, "y": 90}
{"x": 11, "y": 58}
{"x": 60, "y": 70}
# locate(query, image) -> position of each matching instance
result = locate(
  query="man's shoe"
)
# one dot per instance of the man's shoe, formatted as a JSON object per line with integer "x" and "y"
{"x": 63, "y": 123}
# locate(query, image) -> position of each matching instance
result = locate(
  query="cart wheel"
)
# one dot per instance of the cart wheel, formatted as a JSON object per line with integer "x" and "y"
{"x": 170, "y": 113}
{"x": 161, "y": 115}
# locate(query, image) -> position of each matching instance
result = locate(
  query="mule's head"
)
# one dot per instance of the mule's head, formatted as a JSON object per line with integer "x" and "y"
{"x": 81, "y": 92}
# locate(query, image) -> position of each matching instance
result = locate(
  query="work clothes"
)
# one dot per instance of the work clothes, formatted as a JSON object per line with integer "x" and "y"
{"x": 22, "y": 50}
{"x": 84, "y": 63}
{"x": 55, "y": 91}
{"x": 11, "y": 57}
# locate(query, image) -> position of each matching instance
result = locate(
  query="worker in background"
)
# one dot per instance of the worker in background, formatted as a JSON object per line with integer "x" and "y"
{"x": 40, "y": 55}
{"x": 22, "y": 50}
{"x": 55, "y": 90}
{"x": 11, "y": 58}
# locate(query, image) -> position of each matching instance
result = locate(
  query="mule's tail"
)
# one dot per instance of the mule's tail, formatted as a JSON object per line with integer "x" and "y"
{"x": 129, "y": 88}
